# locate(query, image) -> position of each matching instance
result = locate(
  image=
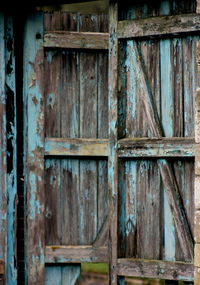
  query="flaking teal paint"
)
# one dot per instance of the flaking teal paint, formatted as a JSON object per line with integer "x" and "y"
{"x": 33, "y": 136}
{"x": 12, "y": 176}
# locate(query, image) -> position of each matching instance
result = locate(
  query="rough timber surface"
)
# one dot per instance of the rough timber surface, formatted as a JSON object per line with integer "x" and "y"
{"x": 156, "y": 102}
{"x": 76, "y": 131}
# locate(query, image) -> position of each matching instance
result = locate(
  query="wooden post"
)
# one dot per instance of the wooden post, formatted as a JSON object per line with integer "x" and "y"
{"x": 3, "y": 164}
{"x": 197, "y": 174}
{"x": 113, "y": 133}
{"x": 34, "y": 148}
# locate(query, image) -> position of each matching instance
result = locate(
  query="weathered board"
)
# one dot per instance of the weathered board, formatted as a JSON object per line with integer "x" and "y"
{"x": 8, "y": 177}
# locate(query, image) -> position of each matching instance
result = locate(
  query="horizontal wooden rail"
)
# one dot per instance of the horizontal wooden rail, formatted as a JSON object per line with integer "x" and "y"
{"x": 1, "y": 267}
{"x": 158, "y": 26}
{"x": 130, "y": 147}
{"x": 76, "y": 147}
{"x": 157, "y": 269}
{"x": 165, "y": 147}
{"x": 75, "y": 254}
{"x": 76, "y": 40}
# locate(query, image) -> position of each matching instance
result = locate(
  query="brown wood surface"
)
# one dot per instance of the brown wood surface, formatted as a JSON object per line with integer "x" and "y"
{"x": 158, "y": 26}
{"x": 76, "y": 147}
{"x": 155, "y": 269}
{"x": 75, "y": 254}
{"x": 76, "y": 40}
{"x": 165, "y": 147}
{"x": 1, "y": 267}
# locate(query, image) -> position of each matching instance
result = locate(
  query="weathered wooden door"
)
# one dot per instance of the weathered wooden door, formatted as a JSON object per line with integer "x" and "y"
{"x": 66, "y": 122}
{"x": 131, "y": 143}
{"x": 152, "y": 84}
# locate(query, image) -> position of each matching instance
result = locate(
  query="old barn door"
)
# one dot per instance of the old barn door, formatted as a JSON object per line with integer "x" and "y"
{"x": 152, "y": 83}
{"x": 66, "y": 123}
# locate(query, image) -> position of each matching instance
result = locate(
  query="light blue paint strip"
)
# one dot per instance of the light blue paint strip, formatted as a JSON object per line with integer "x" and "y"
{"x": 32, "y": 138}
{"x": 167, "y": 124}
{"x": 12, "y": 176}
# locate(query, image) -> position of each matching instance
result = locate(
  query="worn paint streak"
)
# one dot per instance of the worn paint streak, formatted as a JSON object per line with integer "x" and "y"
{"x": 34, "y": 128}
{"x": 11, "y": 147}
{"x": 167, "y": 124}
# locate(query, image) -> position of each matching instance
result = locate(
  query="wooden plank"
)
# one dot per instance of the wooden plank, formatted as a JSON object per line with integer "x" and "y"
{"x": 158, "y": 26}
{"x": 156, "y": 269}
{"x": 3, "y": 147}
{"x": 76, "y": 40}
{"x": 165, "y": 147}
{"x": 1, "y": 267}
{"x": 75, "y": 254}
{"x": 34, "y": 145}
{"x": 11, "y": 132}
{"x": 69, "y": 123}
{"x": 198, "y": 7}
{"x": 88, "y": 129}
{"x": 113, "y": 133}
{"x": 76, "y": 147}
{"x": 175, "y": 201}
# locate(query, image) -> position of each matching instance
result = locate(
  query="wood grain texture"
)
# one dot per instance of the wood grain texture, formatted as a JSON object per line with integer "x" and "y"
{"x": 166, "y": 147}
{"x": 34, "y": 117}
{"x": 158, "y": 26}
{"x": 75, "y": 254}
{"x": 113, "y": 133}
{"x": 3, "y": 156}
{"x": 155, "y": 269}
{"x": 76, "y": 147}
{"x": 76, "y": 40}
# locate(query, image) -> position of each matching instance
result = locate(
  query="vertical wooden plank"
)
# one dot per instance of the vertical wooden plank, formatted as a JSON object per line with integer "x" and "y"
{"x": 88, "y": 129}
{"x": 112, "y": 159}
{"x": 3, "y": 147}
{"x": 11, "y": 149}
{"x": 167, "y": 124}
{"x": 71, "y": 274}
{"x": 102, "y": 130}
{"x": 34, "y": 156}
{"x": 69, "y": 95}
{"x": 53, "y": 275}
{"x": 190, "y": 83}
{"x": 149, "y": 210}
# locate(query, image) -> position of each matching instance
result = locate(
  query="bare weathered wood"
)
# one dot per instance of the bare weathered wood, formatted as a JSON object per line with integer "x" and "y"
{"x": 198, "y": 6}
{"x": 113, "y": 133}
{"x": 76, "y": 40}
{"x": 1, "y": 267}
{"x": 75, "y": 254}
{"x": 34, "y": 148}
{"x": 3, "y": 146}
{"x": 155, "y": 269}
{"x": 76, "y": 147}
{"x": 197, "y": 116}
{"x": 175, "y": 201}
{"x": 165, "y": 147}
{"x": 158, "y": 26}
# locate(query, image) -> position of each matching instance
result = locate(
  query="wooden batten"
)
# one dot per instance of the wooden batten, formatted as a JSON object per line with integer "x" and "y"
{"x": 155, "y": 269}
{"x": 76, "y": 40}
{"x": 75, "y": 254}
{"x": 159, "y": 26}
{"x": 165, "y": 147}
{"x": 76, "y": 147}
